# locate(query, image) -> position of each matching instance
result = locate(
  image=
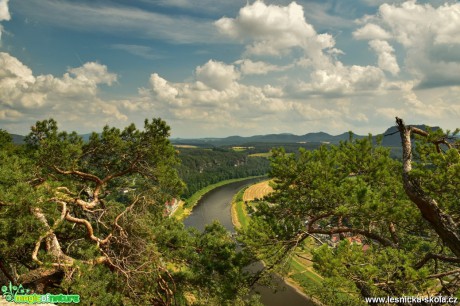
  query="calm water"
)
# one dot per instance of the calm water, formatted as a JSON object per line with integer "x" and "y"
{"x": 216, "y": 205}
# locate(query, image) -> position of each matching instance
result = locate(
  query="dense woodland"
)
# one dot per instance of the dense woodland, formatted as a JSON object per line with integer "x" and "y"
{"x": 404, "y": 215}
{"x": 87, "y": 217}
{"x": 202, "y": 167}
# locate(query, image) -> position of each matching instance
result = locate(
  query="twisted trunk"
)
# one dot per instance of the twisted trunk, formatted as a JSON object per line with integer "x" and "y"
{"x": 441, "y": 222}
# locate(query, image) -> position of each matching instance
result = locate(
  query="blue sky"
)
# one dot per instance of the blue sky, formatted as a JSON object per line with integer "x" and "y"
{"x": 220, "y": 68}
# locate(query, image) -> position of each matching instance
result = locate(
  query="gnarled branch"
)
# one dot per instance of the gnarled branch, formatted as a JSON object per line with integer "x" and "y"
{"x": 89, "y": 229}
{"x": 441, "y": 222}
{"x": 441, "y": 257}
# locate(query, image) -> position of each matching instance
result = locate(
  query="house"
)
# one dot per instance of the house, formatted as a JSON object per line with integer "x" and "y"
{"x": 171, "y": 206}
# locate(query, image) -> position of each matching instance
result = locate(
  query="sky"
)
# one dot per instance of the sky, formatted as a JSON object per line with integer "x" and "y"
{"x": 214, "y": 68}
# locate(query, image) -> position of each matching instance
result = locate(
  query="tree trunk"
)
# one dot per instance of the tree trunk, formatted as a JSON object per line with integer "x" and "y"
{"x": 442, "y": 223}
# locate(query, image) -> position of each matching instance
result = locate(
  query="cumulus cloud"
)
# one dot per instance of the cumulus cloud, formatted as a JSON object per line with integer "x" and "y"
{"x": 248, "y": 108}
{"x": 4, "y": 12}
{"x": 428, "y": 33}
{"x": 371, "y": 31}
{"x": 4, "y": 15}
{"x": 161, "y": 88}
{"x": 275, "y": 30}
{"x": 73, "y": 96}
{"x": 386, "y": 57}
{"x": 93, "y": 73}
{"x": 289, "y": 74}
{"x": 342, "y": 80}
{"x": 217, "y": 75}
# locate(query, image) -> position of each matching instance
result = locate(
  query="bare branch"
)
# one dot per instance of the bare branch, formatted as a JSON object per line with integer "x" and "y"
{"x": 52, "y": 244}
{"x": 130, "y": 207}
{"x": 442, "y": 223}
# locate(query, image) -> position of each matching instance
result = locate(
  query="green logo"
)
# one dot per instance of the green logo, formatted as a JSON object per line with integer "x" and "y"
{"x": 20, "y": 295}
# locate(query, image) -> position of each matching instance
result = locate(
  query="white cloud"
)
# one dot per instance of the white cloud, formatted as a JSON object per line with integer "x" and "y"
{"x": 12, "y": 68}
{"x": 290, "y": 78}
{"x": 94, "y": 73}
{"x": 429, "y": 35}
{"x": 371, "y": 31}
{"x": 70, "y": 98}
{"x": 386, "y": 57}
{"x": 248, "y": 108}
{"x": 342, "y": 80}
{"x": 4, "y": 12}
{"x": 4, "y": 15}
{"x": 275, "y": 30}
{"x": 161, "y": 88}
{"x": 410, "y": 22}
{"x": 217, "y": 75}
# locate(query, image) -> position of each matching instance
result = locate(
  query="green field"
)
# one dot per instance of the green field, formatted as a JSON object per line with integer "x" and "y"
{"x": 266, "y": 154}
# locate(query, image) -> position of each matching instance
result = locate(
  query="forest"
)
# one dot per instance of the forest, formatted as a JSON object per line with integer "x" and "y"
{"x": 395, "y": 222}
{"x": 87, "y": 217}
{"x": 202, "y": 167}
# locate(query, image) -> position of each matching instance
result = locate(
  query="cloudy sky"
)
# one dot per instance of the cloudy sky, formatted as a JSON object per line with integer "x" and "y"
{"x": 220, "y": 68}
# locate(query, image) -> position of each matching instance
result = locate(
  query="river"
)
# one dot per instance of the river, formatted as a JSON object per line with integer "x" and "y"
{"x": 216, "y": 205}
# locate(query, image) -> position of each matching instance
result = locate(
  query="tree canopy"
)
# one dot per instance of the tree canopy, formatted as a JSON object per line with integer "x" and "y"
{"x": 382, "y": 227}
{"x": 88, "y": 218}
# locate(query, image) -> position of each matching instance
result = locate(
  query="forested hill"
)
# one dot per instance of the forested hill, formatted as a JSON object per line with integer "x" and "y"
{"x": 206, "y": 161}
{"x": 270, "y": 138}
{"x": 202, "y": 167}
{"x": 390, "y": 138}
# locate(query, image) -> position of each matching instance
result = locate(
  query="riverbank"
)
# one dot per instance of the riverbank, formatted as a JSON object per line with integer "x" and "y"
{"x": 186, "y": 207}
{"x": 300, "y": 272}
{"x": 216, "y": 206}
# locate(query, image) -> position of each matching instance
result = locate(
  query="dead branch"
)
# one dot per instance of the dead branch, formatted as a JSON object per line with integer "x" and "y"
{"x": 52, "y": 244}
{"x": 441, "y": 222}
{"x": 115, "y": 223}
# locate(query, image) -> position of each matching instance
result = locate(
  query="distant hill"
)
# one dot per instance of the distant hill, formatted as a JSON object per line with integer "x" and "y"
{"x": 270, "y": 138}
{"x": 390, "y": 138}
{"x": 17, "y": 139}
